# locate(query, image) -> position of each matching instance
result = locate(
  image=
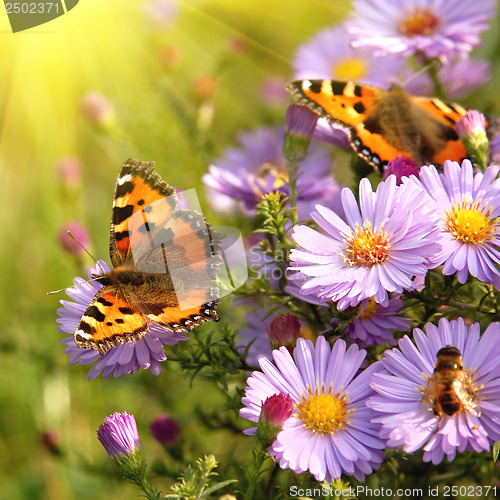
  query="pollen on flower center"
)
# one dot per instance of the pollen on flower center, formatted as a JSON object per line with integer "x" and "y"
{"x": 366, "y": 248}
{"x": 419, "y": 21}
{"x": 469, "y": 223}
{"x": 323, "y": 412}
{"x": 352, "y": 68}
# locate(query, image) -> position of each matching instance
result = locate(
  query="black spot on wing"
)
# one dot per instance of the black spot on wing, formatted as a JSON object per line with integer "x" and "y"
{"x": 124, "y": 189}
{"x": 338, "y": 87}
{"x": 104, "y": 302}
{"x": 126, "y": 310}
{"x": 93, "y": 312}
{"x": 359, "y": 107}
{"x": 315, "y": 86}
{"x": 358, "y": 91}
{"x": 121, "y": 235}
{"x": 122, "y": 213}
{"x": 86, "y": 328}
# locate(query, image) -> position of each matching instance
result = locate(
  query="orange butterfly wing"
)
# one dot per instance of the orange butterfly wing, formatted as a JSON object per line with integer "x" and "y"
{"x": 165, "y": 262}
{"x": 382, "y": 125}
{"x": 138, "y": 188}
{"x": 109, "y": 320}
{"x": 447, "y": 114}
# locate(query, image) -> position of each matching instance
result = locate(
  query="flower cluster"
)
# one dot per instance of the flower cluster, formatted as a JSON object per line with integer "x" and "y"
{"x": 342, "y": 369}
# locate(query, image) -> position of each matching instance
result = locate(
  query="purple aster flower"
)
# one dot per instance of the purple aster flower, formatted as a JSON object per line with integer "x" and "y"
{"x": 373, "y": 324}
{"x": 329, "y": 55}
{"x": 119, "y": 435}
{"x": 127, "y": 357}
{"x": 386, "y": 241}
{"x": 409, "y": 408}
{"x": 257, "y": 167}
{"x": 443, "y": 29}
{"x": 330, "y": 431}
{"x": 467, "y": 208}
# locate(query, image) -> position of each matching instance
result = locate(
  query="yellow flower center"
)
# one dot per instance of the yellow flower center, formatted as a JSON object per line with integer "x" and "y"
{"x": 369, "y": 309}
{"x": 366, "y": 248}
{"x": 419, "y": 21}
{"x": 469, "y": 223}
{"x": 323, "y": 412}
{"x": 279, "y": 171}
{"x": 351, "y": 68}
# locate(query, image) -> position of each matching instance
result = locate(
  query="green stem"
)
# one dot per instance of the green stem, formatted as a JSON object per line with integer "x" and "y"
{"x": 434, "y": 66}
{"x": 293, "y": 168}
{"x": 260, "y": 457}
{"x": 149, "y": 491}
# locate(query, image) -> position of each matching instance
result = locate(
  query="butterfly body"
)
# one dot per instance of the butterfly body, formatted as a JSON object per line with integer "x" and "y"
{"x": 384, "y": 124}
{"x": 164, "y": 261}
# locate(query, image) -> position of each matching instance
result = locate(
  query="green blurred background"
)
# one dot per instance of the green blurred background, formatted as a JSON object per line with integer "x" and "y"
{"x": 178, "y": 94}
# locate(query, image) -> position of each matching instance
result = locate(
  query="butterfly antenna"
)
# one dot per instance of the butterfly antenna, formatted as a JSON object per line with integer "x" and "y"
{"x": 421, "y": 71}
{"x": 71, "y": 235}
{"x": 62, "y": 289}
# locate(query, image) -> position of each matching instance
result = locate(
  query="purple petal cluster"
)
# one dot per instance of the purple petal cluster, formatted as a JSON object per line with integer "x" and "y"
{"x": 408, "y": 419}
{"x": 467, "y": 207}
{"x": 444, "y": 29}
{"x": 380, "y": 247}
{"x": 330, "y": 431}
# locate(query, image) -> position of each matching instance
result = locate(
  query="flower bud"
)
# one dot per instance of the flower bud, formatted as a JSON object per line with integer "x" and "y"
{"x": 165, "y": 430}
{"x": 284, "y": 330}
{"x": 276, "y": 409}
{"x": 97, "y": 109}
{"x": 69, "y": 244}
{"x": 299, "y": 128}
{"x": 69, "y": 170}
{"x": 471, "y": 129}
{"x": 401, "y": 167}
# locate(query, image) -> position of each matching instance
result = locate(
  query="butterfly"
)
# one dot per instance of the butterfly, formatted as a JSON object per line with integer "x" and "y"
{"x": 384, "y": 124}
{"x": 165, "y": 261}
